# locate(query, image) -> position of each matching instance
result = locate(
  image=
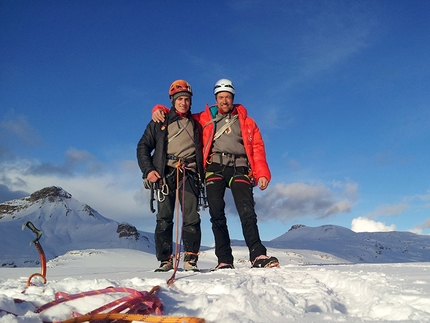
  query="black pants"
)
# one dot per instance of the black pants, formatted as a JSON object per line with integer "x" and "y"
{"x": 218, "y": 178}
{"x": 191, "y": 232}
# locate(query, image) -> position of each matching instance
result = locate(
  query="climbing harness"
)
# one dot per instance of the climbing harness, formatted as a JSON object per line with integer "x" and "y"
{"x": 39, "y": 248}
{"x": 160, "y": 189}
{"x": 227, "y": 159}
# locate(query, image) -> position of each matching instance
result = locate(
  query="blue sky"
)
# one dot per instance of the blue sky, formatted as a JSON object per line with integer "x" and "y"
{"x": 339, "y": 89}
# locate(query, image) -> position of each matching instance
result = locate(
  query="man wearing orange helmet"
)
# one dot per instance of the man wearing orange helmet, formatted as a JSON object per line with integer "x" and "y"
{"x": 175, "y": 171}
{"x": 234, "y": 157}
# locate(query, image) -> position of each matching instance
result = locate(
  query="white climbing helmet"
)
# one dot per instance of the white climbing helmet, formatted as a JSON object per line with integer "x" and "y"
{"x": 224, "y": 85}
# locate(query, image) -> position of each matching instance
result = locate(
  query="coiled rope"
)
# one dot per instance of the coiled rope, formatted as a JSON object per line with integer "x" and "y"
{"x": 134, "y": 307}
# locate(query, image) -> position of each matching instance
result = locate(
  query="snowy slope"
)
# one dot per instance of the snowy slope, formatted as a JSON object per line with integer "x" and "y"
{"x": 327, "y": 273}
{"x": 292, "y": 293}
{"x": 66, "y": 223}
{"x": 366, "y": 247}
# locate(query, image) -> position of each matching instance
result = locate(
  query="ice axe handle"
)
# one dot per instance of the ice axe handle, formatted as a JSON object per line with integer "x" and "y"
{"x": 31, "y": 226}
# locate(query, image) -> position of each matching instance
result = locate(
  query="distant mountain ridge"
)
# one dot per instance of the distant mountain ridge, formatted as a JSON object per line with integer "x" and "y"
{"x": 66, "y": 223}
{"x": 69, "y": 225}
{"x": 357, "y": 247}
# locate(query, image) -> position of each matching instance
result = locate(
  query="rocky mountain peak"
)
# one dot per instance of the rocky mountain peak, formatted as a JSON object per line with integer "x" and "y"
{"x": 296, "y": 226}
{"x": 126, "y": 230}
{"x": 67, "y": 224}
{"x": 50, "y": 193}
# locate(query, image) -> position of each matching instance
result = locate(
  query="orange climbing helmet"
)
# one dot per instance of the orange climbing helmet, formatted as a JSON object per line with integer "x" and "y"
{"x": 180, "y": 86}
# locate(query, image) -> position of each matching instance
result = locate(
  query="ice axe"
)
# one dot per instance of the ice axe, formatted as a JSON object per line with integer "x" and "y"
{"x": 39, "y": 248}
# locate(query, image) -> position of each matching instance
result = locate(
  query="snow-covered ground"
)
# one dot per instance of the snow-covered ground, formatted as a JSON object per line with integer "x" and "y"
{"x": 328, "y": 292}
{"x": 327, "y": 274}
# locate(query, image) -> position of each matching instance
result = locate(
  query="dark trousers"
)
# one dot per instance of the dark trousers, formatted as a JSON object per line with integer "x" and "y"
{"x": 218, "y": 178}
{"x": 191, "y": 232}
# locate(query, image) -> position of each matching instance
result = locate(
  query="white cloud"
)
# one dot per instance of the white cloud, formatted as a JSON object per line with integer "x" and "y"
{"x": 418, "y": 229}
{"x": 116, "y": 192}
{"x": 395, "y": 209}
{"x": 17, "y": 128}
{"x": 425, "y": 197}
{"x": 288, "y": 201}
{"x": 339, "y": 207}
{"x": 363, "y": 224}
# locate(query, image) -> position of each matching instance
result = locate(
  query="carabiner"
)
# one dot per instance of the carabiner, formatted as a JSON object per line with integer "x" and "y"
{"x": 164, "y": 189}
{"x": 160, "y": 196}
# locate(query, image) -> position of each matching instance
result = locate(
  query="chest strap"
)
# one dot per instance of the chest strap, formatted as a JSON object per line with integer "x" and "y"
{"x": 228, "y": 123}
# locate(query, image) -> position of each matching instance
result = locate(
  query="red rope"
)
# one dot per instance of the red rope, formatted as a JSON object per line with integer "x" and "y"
{"x": 137, "y": 302}
{"x": 178, "y": 244}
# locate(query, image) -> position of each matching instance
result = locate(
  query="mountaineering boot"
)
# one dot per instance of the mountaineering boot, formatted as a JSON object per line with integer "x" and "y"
{"x": 264, "y": 261}
{"x": 165, "y": 266}
{"x": 190, "y": 261}
{"x": 223, "y": 265}
{"x": 191, "y": 266}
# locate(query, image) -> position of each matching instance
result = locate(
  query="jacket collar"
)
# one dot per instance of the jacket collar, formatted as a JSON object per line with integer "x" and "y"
{"x": 233, "y": 111}
{"x": 176, "y": 113}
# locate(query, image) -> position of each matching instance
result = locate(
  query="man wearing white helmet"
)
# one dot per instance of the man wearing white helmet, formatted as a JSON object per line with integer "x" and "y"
{"x": 235, "y": 158}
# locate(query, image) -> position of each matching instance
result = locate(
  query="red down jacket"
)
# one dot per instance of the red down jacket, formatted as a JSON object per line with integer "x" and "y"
{"x": 252, "y": 139}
